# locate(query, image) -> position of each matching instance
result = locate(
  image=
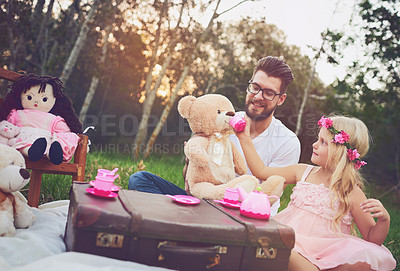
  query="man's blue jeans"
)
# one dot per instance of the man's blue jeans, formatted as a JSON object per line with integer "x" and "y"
{"x": 147, "y": 182}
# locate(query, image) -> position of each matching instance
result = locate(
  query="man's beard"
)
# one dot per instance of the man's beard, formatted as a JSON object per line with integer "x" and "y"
{"x": 262, "y": 116}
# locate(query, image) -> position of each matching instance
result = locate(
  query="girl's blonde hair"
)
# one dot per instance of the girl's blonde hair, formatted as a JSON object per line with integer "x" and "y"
{"x": 345, "y": 176}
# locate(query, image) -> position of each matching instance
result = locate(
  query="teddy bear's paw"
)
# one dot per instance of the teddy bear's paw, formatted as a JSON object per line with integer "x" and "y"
{"x": 207, "y": 191}
{"x": 24, "y": 220}
{"x": 273, "y": 186}
{"x": 6, "y": 225}
{"x": 247, "y": 182}
{"x": 24, "y": 216}
{"x": 12, "y": 142}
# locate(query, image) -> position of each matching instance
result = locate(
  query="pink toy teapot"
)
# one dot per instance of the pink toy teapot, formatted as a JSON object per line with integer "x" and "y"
{"x": 255, "y": 204}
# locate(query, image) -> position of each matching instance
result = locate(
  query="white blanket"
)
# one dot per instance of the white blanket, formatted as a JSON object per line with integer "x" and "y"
{"x": 41, "y": 247}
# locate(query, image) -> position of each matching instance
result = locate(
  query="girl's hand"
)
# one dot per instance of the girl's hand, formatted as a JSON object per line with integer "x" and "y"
{"x": 376, "y": 209}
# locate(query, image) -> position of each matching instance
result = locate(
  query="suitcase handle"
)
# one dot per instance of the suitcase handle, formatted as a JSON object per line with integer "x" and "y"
{"x": 176, "y": 252}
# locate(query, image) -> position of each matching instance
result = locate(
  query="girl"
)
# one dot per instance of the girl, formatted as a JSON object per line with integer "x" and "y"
{"x": 328, "y": 198}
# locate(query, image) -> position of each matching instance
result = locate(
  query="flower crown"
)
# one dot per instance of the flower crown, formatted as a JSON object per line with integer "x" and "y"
{"x": 342, "y": 137}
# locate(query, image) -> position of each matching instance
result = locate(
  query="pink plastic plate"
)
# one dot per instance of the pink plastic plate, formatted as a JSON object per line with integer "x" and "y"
{"x": 228, "y": 204}
{"x": 189, "y": 200}
{"x": 94, "y": 192}
{"x": 114, "y": 188}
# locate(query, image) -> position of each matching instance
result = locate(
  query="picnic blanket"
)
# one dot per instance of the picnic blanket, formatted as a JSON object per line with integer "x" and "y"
{"x": 41, "y": 247}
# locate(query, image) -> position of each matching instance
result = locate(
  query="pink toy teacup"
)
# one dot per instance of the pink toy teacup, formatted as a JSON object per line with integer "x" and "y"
{"x": 238, "y": 123}
{"x": 103, "y": 185}
{"x": 231, "y": 195}
{"x": 106, "y": 172}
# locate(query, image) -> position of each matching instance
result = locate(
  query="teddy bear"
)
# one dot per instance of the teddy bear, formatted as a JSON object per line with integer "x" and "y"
{"x": 14, "y": 211}
{"x": 214, "y": 161}
{"x": 8, "y": 132}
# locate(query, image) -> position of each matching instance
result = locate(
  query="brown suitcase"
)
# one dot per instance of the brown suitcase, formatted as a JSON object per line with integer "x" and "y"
{"x": 154, "y": 230}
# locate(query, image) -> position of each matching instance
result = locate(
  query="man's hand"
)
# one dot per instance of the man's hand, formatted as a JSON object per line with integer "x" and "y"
{"x": 246, "y": 131}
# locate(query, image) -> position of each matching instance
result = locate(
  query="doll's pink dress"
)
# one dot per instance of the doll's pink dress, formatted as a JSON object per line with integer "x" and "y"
{"x": 35, "y": 124}
{"x": 310, "y": 215}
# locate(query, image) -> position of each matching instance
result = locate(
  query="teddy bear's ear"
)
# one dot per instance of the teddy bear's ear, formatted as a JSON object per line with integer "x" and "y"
{"x": 185, "y": 104}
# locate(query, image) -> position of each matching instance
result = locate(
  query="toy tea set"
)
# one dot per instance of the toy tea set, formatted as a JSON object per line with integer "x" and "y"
{"x": 254, "y": 204}
{"x": 103, "y": 185}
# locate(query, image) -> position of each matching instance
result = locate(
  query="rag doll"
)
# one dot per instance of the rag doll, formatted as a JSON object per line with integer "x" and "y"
{"x": 48, "y": 123}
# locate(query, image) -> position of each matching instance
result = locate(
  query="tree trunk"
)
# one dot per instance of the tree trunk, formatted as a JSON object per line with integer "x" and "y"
{"x": 149, "y": 91}
{"x": 165, "y": 113}
{"x": 304, "y": 101}
{"x": 95, "y": 78}
{"x": 186, "y": 69}
{"x": 37, "y": 57}
{"x": 37, "y": 11}
{"x": 80, "y": 41}
{"x": 16, "y": 39}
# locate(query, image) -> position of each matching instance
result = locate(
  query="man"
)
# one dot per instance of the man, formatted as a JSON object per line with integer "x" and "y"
{"x": 274, "y": 142}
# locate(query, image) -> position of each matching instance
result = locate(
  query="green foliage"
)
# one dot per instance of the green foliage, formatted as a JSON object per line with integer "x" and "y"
{"x": 372, "y": 85}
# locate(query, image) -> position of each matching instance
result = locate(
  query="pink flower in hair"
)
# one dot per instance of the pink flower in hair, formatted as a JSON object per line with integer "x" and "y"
{"x": 359, "y": 164}
{"x": 352, "y": 154}
{"x": 325, "y": 122}
{"x": 341, "y": 137}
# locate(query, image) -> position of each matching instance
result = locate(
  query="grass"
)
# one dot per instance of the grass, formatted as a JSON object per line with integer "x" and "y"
{"x": 56, "y": 187}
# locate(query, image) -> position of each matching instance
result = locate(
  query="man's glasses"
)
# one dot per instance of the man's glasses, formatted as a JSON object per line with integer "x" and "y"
{"x": 267, "y": 94}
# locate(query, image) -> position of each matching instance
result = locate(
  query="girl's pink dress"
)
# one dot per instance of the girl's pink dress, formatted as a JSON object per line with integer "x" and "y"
{"x": 35, "y": 124}
{"x": 310, "y": 215}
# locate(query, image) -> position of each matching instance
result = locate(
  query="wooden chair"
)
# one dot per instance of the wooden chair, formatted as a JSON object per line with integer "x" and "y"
{"x": 76, "y": 168}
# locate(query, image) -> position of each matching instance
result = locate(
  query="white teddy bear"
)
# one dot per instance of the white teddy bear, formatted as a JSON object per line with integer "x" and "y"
{"x": 14, "y": 212}
{"x": 8, "y": 133}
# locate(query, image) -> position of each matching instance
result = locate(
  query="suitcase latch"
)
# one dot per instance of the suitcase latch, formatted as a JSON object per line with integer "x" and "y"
{"x": 265, "y": 251}
{"x": 109, "y": 240}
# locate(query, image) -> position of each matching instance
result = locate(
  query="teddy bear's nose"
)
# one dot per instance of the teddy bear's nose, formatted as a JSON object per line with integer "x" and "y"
{"x": 230, "y": 113}
{"x": 24, "y": 173}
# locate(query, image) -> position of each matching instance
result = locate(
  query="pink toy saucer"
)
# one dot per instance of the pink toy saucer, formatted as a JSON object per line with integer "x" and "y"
{"x": 96, "y": 193}
{"x": 189, "y": 200}
{"x": 229, "y": 204}
{"x": 114, "y": 188}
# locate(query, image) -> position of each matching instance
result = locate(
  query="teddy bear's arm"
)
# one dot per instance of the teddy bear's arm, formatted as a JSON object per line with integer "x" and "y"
{"x": 6, "y": 218}
{"x": 238, "y": 161}
{"x": 24, "y": 216}
{"x": 3, "y": 140}
{"x": 205, "y": 190}
{"x": 196, "y": 151}
{"x": 12, "y": 142}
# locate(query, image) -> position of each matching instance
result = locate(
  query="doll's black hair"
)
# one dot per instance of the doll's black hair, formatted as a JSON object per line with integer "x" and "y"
{"x": 62, "y": 107}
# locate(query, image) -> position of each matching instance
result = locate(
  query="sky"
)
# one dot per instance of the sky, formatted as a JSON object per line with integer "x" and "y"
{"x": 302, "y": 21}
